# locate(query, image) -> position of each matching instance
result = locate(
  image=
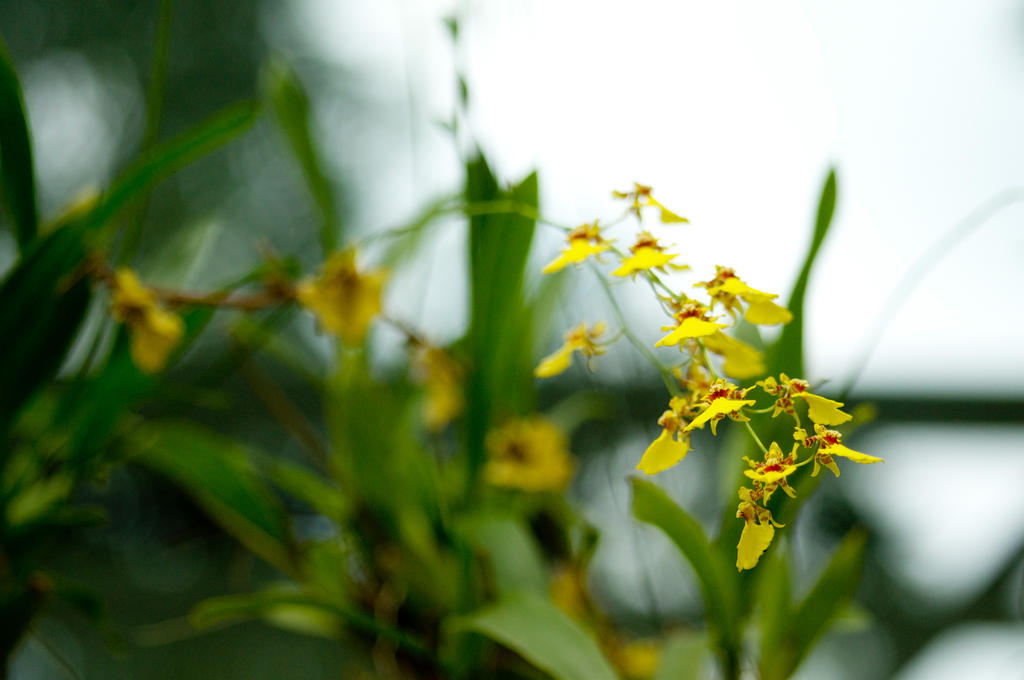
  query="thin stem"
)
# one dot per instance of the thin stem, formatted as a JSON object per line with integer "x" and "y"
{"x": 916, "y": 273}
{"x": 666, "y": 374}
{"x": 757, "y": 439}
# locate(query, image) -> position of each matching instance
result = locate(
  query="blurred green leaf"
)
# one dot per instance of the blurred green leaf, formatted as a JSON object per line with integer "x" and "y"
{"x": 717, "y": 578}
{"x": 513, "y": 553}
{"x": 16, "y": 170}
{"x": 92, "y": 405}
{"x": 292, "y": 608}
{"x": 218, "y": 474}
{"x": 827, "y": 599}
{"x": 682, "y": 657}
{"x": 774, "y": 601}
{"x": 167, "y": 158}
{"x": 543, "y": 635}
{"x": 45, "y": 298}
{"x": 498, "y": 340}
{"x": 787, "y": 354}
{"x": 290, "y": 104}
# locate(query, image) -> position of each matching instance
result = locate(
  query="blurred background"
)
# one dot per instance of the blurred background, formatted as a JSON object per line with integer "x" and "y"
{"x": 733, "y": 112}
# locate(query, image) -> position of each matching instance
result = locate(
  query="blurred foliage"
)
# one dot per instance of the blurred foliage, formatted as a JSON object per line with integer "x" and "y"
{"x": 379, "y": 537}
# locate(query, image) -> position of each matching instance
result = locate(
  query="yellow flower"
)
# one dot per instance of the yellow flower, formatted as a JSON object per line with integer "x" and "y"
{"x": 820, "y": 409}
{"x": 646, "y": 254}
{"x": 636, "y": 659}
{"x": 577, "y": 338}
{"x": 830, "y": 445}
{"x": 154, "y": 330}
{"x": 741, "y": 360}
{"x": 723, "y": 399}
{"x": 529, "y": 454}
{"x": 343, "y": 299}
{"x": 641, "y": 198}
{"x": 691, "y": 322}
{"x": 726, "y": 289}
{"x": 442, "y": 377}
{"x": 584, "y": 241}
{"x": 568, "y": 591}
{"x": 771, "y": 473}
{"x": 672, "y": 444}
{"x": 758, "y": 530}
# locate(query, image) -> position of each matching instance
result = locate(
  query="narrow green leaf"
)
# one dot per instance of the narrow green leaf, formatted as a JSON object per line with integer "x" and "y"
{"x": 514, "y": 556}
{"x": 16, "y": 170}
{"x": 717, "y": 578}
{"x": 272, "y": 604}
{"x": 290, "y": 104}
{"x": 44, "y": 302}
{"x": 543, "y": 635}
{"x": 169, "y": 157}
{"x": 828, "y": 598}
{"x": 218, "y": 474}
{"x": 498, "y": 331}
{"x": 787, "y": 354}
{"x": 775, "y": 603}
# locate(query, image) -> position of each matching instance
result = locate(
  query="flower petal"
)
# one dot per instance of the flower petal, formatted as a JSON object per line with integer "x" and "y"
{"x": 754, "y": 540}
{"x": 579, "y": 250}
{"x": 741, "y": 360}
{"x": 555, "y": 363}
{"x": 663, "y": 453}
{"x": 767, "y": 313}
{"x": 718, "y": 407}
{"x": 770, "y": 477}
{"x": 691, "y": 327}
{"x": 642, "y": 259}
{"x": 850, "y": 454}
{"x": 822, "y": 410}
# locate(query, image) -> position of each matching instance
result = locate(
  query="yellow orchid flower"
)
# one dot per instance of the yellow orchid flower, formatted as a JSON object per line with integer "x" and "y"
{"x": 584, "y": 241}
{"x": 758, "y": 530}
{"x": 579, "y": 338}
{"x": 530, "y": 454}
{"x": 741, "y": 360}
{"x": 727, "y": 289}
{"x": 646, "y": 254}
{"x": 343, "y": 299}
{"x": 154, "y": 330}
{"x": 691, "y": 322}
{"x": 672, "y": 444}
{"x": 723, "y": 399}
{"x": 641, "y": 198}
{"x": 771, "y": 473}
{"x": 442, "y": 378}
{"x": 820, "y": 410}
{"x": 830, "y": 445}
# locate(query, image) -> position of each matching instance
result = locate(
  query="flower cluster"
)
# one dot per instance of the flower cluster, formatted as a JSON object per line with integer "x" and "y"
{"x": 711, "y": 357}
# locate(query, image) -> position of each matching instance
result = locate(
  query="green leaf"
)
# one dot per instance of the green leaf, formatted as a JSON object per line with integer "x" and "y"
{"x": 290, "y": 104}
{"x": 45, "y": 298}
{"x": 828, "y": 598}
{"x": 514, "y": 556}
{"x": 293, "y": 609}
{"x": 774, "y": 601}
{"x": 218, "y": 474}
{"x": 166, "y": 159}
{"x": 717, "y": 578}
{"x": 787, "y": 354}
{"x": 543, "y": 635}
{"x": 16, "y": 170}
{"x": 500, "y": 352}
{"x": 682, "y": 657}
